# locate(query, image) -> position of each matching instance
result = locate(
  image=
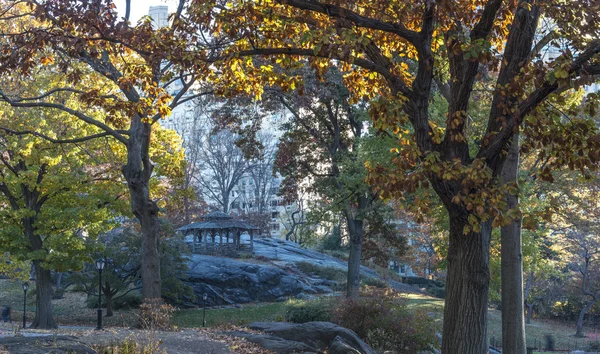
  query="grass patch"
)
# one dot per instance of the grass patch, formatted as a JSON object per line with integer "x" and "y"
{"x": 425, "y": 303}
{"x": 538, "y": 329}
{"x": 231, "y": 316}
{"x": 329, "y": 273}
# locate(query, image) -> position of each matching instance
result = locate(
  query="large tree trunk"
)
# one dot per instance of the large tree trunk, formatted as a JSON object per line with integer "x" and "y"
{"x": 356, "y": 229}
{"x": 137, "y": 173}
{"x": 467, "y": 288}
{"x": 43, "y": 284}
{"x": 43, "y": 298}
{"x": 581, "y": 317}
{"x": 513, "y": 324}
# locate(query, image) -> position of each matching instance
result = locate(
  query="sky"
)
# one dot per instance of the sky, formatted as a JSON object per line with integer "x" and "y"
{"x": 140, "y": 8}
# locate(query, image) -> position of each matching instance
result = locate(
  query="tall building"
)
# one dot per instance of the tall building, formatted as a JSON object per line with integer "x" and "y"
{"x": 159, "y": 15}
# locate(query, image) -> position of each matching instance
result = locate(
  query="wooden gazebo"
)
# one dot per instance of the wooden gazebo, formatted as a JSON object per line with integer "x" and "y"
{"x": 218, "y": 224}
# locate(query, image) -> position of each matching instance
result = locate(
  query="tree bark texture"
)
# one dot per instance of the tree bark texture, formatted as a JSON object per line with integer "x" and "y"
{"x": 137, "y": 173}
{"x": 356, "y": 230}
{"x": 513, "y": 324}
{"x": 43, "y": 284}
{"x": 467, "y": 288}
{"x": 109, "y": 305}
{"x": 43, "y": 299}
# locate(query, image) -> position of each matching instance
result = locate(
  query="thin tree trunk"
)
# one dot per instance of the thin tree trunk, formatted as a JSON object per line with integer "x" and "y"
{"x": 109, "y": 304}
{"x": 581, "y": 317}
{"x": 513, "y": 323}
{"x": 467, "y": 288}
{"x": 356, "y": 229}
{"x": 529, "y": 312}
{"x": 59, "y": 276}
{"x": 43, "y": 299}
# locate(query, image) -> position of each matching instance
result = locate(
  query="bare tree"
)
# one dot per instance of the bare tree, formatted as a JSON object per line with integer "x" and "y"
{"x": 221, "y": 166}
{"x": 584, "y": 253}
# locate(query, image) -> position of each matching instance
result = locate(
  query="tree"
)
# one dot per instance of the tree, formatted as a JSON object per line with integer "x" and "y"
{"x": 396, "y": 53}
{"x": 53, "y": 195}
{"x": 110, "y": 67}
{"x": 222, "y": 165}
{"x": 326, "y": 142}
{"x": 584, "y": 250}
{"x": 120, "y": 248}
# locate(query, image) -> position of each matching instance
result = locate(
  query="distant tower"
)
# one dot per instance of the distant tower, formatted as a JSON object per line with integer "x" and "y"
{"x": 159, "y": 15}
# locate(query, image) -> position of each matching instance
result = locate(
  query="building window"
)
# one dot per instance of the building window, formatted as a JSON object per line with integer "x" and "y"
{"x": 274, "y": 203}
{"x": 275, "y": 227}
{"x": 274, "y": 214}
{"x": 235, "y": 205}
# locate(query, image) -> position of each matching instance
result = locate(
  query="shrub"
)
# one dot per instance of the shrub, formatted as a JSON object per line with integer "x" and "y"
{"x": 131, "y": 346}
{"x": 382, "y": 319}
{"x": 437, "y": 292}
{"x": 424, "y": 282}
{"x": 594, "y": 345}
{"x": 308, "y": 312}
{"x": 131, "y": 300}
{"x": 128, "y": 301}
{"x": 156, "y": 315}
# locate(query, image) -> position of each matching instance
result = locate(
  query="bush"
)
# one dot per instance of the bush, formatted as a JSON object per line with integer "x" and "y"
{"x": 128, "y": 301}
{"x": 382, "y": 319}
{"x": 308, "y": 312}
{"x": 156, "y": 315}
{"x": 131, "y": 300}
{"x": 424, "y": 282}
{"x": 437, "y": 292}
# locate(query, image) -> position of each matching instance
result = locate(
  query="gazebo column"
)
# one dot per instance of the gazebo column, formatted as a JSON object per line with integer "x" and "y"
{"x": 239, "y": 235}
{"x": 193, "y": 242}
{"x": 251, "y": 232}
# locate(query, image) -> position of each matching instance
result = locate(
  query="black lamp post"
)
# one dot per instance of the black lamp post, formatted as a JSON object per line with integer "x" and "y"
{"x": 25, "y": 287}
{"x": 204, "y": 297}
{"x": 99, "y": 266}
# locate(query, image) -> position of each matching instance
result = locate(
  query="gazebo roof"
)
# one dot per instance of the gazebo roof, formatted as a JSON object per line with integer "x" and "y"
{"x": 216, "y": 215}
{"x": 218, "y": 221}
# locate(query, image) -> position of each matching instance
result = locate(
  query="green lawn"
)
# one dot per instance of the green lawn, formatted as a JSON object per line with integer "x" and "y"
{"x": 233, "y": 316}
{"x": 72, "y": 310}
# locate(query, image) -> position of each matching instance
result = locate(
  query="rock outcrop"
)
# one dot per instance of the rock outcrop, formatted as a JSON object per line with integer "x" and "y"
{"x": 229, "y": 281}
{"x": 310, "y": 337}
{"x": 44, "y": 345}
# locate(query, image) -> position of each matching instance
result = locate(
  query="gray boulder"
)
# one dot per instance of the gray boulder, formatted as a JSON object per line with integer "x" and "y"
{"x": 310, "y": 337}
{"x": 229, "y": 281}
{"x": 44, "y": 345}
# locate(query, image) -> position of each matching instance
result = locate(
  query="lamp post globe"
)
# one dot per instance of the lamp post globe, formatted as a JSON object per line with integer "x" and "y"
{"x": 100, "y": 266}
{"x": 25, "y": 287}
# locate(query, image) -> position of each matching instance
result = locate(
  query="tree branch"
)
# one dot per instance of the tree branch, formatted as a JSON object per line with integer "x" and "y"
{"x": 56, "y": 141}
{"x": 338, "y": 12}
{"x": 114, "y": 133}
